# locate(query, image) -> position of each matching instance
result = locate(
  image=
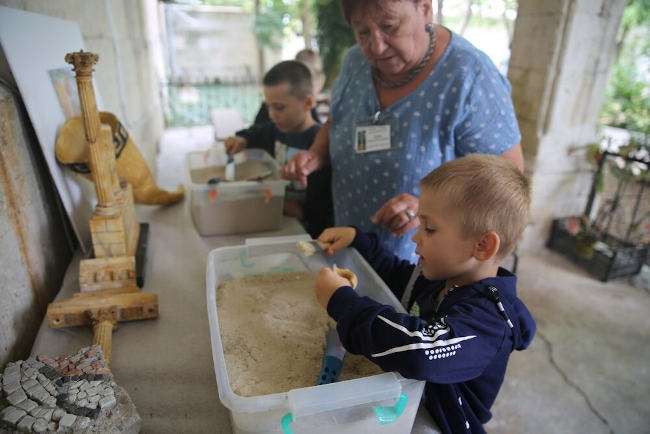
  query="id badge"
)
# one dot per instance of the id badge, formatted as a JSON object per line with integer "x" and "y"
{"x": 371, "y": 138}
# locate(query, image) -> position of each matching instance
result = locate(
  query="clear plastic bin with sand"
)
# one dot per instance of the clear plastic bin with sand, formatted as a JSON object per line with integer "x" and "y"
{"x": 254, "y": 202}
{"x": 372, "y": 403}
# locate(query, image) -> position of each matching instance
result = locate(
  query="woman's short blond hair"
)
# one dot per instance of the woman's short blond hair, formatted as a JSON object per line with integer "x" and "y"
{"x": 488, "y": 192}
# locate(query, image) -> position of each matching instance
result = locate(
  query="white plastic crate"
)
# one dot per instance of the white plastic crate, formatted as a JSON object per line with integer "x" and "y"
{"x": 384, "y": 403}
{"x": 239, "y": 206}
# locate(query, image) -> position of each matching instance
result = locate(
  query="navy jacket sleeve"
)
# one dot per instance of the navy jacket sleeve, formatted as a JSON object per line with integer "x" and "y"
{"x": 259, "y": 136}
{"x": 318, "y": 211}
{"x": 455, "y": 348}
{"x": 395, "y": 272}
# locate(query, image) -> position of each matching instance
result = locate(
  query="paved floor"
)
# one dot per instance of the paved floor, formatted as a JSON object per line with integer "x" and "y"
{"x": 587, "y": 369}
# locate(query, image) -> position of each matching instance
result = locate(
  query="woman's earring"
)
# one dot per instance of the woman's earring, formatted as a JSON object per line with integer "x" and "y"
{"x": 428, "y": 27}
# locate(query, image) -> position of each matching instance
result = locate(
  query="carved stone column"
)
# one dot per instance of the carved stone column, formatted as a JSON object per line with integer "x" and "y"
{"x": 104, "y": 321}
{"x": 99, "y": 152}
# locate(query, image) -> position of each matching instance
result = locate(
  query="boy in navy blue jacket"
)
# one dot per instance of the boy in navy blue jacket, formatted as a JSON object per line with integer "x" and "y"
{"x": 464, "y": 315}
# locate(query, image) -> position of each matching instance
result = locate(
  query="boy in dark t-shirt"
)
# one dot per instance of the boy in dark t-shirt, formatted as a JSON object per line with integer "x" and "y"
{"x": 288, "y": 93}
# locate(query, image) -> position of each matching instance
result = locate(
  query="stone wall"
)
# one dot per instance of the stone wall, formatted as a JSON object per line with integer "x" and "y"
{"x": 34, "y": 252}
{"x": 561, "y": 54}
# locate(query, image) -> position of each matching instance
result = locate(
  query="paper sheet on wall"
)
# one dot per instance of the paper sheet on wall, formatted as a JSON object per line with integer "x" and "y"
{"x": 34, "y": 47}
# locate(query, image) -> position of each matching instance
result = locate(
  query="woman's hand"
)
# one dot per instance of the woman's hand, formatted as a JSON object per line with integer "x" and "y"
{"x": 399, "y": 214}
{"x": 335, "y": 239}
{"x": 327, "y": 283}
{"x": 235, "y": 144}
{"x": 300, "y": 166}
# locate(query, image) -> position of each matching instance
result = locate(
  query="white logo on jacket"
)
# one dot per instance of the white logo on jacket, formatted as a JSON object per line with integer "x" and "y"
{"x": 429, "y": 339}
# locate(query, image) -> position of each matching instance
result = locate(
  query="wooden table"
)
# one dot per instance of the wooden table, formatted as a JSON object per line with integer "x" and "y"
{"x": 165, "y": 364}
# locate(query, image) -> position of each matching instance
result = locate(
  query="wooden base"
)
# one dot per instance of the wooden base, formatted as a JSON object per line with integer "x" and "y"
{"x": 75, "y": 311}
{"x": 97, "y": 274}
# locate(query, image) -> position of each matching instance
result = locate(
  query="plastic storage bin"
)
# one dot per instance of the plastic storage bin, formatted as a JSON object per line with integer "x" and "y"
{"x": 384, "y": 403}
{"x": 239, "y": 206}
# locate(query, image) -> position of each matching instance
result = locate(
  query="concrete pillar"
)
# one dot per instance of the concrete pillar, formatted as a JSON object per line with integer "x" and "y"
{"x": 561, "y": 54}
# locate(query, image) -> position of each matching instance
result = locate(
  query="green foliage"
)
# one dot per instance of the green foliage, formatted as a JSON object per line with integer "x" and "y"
{"x": 275, "y": 19}
{"x": 268, "y": 29}
{"x": 627, "y": 100}
{"x": 333, "y": 35}
{"x": 627, "y": 96}
{"x": 637, "y": 13}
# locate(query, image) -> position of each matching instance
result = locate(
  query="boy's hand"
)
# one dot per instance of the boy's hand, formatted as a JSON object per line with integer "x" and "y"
{"x": 235, "y": 144}
{"x": 335, "y": 239}
{"x": 327, "y": 283}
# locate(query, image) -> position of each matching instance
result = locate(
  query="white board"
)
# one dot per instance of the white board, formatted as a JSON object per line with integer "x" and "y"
{"x": 33, "y": 46}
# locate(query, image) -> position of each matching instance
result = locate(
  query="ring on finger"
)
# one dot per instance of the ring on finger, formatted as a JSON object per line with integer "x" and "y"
{"x": 409, "y": 213}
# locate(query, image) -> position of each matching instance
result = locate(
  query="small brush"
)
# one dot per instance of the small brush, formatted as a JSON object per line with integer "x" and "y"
{"x": 230, "y": 169}
{"x": 310, "y": 247}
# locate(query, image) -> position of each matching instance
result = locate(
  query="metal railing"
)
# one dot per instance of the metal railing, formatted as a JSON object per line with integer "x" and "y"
{"x": 189, "y": 104}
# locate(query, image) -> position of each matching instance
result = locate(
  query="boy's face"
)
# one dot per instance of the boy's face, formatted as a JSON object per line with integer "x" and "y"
{"x": 445, "y": 252}
{"x": 289, "y": 113}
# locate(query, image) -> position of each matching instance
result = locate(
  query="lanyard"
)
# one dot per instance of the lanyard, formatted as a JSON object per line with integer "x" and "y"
{"x": 409, "y": 286}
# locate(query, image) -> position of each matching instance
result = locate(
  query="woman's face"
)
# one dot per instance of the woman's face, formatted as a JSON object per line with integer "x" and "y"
{"x": 392, "y": 34}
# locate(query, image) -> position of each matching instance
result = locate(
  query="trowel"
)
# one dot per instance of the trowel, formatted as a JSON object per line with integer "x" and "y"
{"x": 334, "y": 350}
{"x": 333, "y": 359}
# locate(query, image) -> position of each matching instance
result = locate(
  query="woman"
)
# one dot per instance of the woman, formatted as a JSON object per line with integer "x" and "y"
{"x": 409, "y": 97}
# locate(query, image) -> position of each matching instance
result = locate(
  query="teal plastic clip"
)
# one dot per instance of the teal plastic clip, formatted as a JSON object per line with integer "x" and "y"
{"x": 286, "y": 420}
{"x": 390, "y": 414}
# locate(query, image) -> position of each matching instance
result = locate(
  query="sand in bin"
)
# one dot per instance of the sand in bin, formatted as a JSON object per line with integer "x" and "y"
{"x": 273, "y": 333}
{"x": 244, "y": 171}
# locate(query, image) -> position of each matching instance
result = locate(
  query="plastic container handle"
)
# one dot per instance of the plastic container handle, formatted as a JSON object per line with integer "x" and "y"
{"x": 286, "y": 239}
{"x": 385, "y": 415}
{"x": 390, "y": 414}
{"x": 286, "y": 420}
{"x": 350, "y": 393}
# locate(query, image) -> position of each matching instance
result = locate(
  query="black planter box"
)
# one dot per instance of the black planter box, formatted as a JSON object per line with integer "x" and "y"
{"x": 608, "y": 258}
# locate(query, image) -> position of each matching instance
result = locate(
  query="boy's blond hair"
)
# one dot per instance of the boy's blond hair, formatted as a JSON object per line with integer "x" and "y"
{"x": 310, "y": 58}
{"x": 488, "y": 192}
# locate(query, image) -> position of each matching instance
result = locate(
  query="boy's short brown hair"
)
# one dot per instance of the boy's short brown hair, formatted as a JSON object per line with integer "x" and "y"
{"x": 293, "y": 72}
{"x": 489, "y": 193}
